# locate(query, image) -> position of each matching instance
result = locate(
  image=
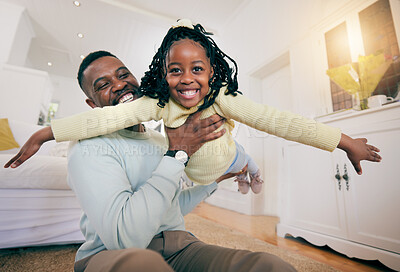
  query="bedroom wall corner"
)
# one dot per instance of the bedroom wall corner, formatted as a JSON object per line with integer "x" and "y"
{"x": 10, "y": 16}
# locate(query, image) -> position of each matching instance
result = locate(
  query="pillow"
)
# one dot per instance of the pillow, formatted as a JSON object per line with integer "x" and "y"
{"x": 7, "y": 140}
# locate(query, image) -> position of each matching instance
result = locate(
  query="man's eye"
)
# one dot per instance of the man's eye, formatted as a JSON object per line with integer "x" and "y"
{"x": 124, "y": 75}
{"x": 102, "y": 86}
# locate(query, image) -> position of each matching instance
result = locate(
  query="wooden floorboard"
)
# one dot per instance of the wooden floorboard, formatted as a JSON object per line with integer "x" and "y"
{"x": 264, "y": 228}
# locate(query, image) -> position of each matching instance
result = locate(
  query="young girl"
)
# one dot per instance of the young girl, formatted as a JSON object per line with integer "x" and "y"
{"x": 167, "y": 77}
{"x": 189, "y": 73}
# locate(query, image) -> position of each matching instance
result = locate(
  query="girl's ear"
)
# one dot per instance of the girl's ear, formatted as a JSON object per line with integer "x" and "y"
{"x": 211, "y": 72}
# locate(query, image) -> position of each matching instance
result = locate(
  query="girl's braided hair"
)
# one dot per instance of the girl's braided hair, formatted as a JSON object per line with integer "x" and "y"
{"x": 154, "y": 84}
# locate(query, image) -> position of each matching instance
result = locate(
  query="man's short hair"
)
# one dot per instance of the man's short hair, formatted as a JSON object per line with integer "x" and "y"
{"x": 88, "y": 60}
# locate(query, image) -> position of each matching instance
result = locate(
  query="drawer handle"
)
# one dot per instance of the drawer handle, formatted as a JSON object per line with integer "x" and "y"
{"x": 346, "y": 177}
{"x": 338, "y": 177}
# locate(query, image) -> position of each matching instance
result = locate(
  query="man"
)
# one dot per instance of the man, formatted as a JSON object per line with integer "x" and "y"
{"x": 128, "y": 187}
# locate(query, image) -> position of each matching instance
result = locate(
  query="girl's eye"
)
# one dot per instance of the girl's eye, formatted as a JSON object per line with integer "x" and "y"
{"x": 174, "y": 70}
{"x": 198, "y": 69}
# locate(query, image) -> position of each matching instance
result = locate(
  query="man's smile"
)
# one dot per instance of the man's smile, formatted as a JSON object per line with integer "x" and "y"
{"x": 126, "y": 97}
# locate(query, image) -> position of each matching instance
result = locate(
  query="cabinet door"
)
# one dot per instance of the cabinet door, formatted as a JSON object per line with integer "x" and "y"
{"x": 312, "y": 197}
{"x": 373, "y": 199}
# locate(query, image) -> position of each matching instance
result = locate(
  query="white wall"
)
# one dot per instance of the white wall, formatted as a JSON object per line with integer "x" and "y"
{"x": 258, "y": 38}
{"x": 24, "y": 93}
{"x": 70, "y": 97}
{"x": 9, "y": 19}
{"x": 22, "y": 41}
{"x": 276, "y": 92}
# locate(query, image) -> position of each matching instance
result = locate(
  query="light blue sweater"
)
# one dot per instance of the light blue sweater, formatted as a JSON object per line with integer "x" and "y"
{"x": 128, "y": 190}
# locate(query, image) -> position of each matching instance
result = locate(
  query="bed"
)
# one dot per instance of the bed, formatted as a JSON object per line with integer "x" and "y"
{"x": 37, "y": 207}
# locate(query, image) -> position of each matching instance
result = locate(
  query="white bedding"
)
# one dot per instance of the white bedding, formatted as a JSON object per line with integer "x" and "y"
{"x": 38, "y": 217}
{"x": 37, "y": 206}
{"x": 39, "y": 172}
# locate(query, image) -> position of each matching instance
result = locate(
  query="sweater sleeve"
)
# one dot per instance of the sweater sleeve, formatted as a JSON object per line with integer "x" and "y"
{"x": 191, "y": 197}
{"x": 284, "y": 124}
{"x": 101, "y": 121}
{"x": 123, "y": 217}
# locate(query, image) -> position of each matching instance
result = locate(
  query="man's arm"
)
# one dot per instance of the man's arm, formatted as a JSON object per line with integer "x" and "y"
{"x": 191, "y": 197}
{"x": 123, "y": 214}
{"x": 125, "y": 217}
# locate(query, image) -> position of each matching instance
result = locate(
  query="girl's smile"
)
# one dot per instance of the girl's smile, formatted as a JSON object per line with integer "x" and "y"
{"x": 188, "y": 72}
{"x": 188, "y": 94}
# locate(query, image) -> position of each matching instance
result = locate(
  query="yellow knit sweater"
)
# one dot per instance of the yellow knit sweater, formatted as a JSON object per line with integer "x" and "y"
{"x": 215, "y": 157}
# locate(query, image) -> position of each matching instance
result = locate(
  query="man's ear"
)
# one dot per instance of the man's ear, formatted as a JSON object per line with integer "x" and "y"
{"x": 91, "y": 103}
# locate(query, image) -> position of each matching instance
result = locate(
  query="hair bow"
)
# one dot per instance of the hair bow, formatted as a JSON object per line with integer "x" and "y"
{"x": 183, "y": 23}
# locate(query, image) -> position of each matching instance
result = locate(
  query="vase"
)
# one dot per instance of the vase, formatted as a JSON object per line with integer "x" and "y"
{"x": 364, "y": 104}
{"x": 359, "y": 104}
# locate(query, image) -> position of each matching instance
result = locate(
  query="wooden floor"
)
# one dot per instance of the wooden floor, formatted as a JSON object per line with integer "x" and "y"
{"x": 264, "y": 228}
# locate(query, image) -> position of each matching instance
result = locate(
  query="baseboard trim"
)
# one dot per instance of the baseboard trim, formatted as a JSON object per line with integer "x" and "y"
{"x": 349, "y": 248}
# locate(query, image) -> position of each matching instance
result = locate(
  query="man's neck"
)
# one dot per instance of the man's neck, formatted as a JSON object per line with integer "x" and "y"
{"x": 137, "y": 128}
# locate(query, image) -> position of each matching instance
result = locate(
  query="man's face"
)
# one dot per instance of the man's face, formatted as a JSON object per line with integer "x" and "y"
{"x": 108, "y": 82}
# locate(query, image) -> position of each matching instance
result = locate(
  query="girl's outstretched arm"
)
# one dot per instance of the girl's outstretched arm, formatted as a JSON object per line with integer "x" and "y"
{"x": 358, "y": 150}
{"x": 31, "y": 147}
{"x": 296, "y": 128}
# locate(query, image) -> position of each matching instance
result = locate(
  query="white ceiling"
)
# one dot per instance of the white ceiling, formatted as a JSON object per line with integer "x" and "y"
{"x": 131, "y": 29}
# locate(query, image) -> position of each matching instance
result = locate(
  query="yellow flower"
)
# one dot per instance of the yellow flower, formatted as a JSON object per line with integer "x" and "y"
{"x": 363, "y": 77}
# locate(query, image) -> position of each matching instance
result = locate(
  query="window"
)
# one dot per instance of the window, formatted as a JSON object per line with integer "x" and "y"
{"x": 338, "y": 51}
{"x": 378, "y": 33}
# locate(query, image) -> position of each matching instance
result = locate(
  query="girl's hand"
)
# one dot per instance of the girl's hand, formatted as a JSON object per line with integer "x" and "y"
{"x": 31, "y": 147}
{"x": 358, "y": 150}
